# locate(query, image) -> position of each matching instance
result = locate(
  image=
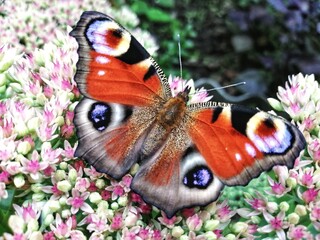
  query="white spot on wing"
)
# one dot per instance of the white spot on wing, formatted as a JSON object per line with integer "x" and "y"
{"x": 102, "y": 60}
{"x": 250, "y": 150}
{"x": 238, "y": 156}
{"x": 101, "y": 73}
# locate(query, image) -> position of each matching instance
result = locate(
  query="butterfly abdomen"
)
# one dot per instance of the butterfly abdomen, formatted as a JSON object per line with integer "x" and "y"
{"x": 168, "y": 118}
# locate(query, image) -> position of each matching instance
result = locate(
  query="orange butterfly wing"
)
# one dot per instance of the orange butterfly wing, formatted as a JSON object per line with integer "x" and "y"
{"x": 239, "y": 143}
{"x": 113, "y": 66}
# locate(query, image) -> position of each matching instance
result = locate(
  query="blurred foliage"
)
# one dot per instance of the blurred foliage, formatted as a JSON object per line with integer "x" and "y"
{"x": 160, "y": 19}
{"x": 260, "y": 42}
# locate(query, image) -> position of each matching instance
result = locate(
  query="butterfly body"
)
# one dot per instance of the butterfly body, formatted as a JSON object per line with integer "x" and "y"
{"x": 186, "y": 152}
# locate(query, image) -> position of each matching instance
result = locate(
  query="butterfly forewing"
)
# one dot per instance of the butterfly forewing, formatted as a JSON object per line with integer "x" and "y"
{"x": 239, "y": 143}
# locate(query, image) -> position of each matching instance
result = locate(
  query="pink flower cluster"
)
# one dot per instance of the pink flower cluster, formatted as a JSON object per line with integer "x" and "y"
{"x": 30, "y": 24}
{"x": 54, "y": 195}
{"x": 290, "y": 208}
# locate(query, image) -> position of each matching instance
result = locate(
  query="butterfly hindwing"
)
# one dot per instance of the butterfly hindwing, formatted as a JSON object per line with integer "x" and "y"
{"x": 175, "y": 177}
{"x": 113, "y": 66}
{"x": 239, "y": 143}
{"x": 109, "y": 134}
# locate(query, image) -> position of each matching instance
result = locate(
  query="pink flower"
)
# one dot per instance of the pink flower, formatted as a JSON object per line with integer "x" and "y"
{"x": 77, "y": 201}
{"x": 277, "y": 224}
{"x": 4, "y": 177}
{"x": 82, "y": 184}
{"x": 117, "y": 222}
{"x": 224, "y": 212}
{"x": 116, "y": 188}
{"x": 315, "y": 212}
{"x": 310, "y": 195}
{"x": 62, "y": 229}
{"x": 29, "y": 212}
{"x": 169, "y": 222}
{"x": 68, "y": 151}
{"x": 278, "y": 188}
{"x": 33, "y": 166}
{"x": 194, "y": 223}
{"x": 98, "y": 224}
{"x": 297, "y": 232}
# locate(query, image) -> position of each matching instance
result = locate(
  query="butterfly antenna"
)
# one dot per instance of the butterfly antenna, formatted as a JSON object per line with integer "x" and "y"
{"x": 179, "y": 49}
{"x": 223, "y": 87}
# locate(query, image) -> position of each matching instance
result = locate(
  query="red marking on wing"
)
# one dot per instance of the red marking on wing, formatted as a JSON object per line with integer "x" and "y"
{"x": 164, "y": 168}
{"x": 226, "y": 151}
{"x": 112, "y": 38}
{"x": 116, "y": 81}
{"x": 264, "y": 130}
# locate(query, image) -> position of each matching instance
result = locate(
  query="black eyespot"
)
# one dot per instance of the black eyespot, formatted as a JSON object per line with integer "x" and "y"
{"x": 100, "y": 115}
{"x": 117, "y": 33}
{"x": 198, "y": 177}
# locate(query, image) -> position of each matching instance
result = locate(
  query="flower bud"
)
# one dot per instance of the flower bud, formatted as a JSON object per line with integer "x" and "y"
{"x": 177, "y": 231}
{"x": 211, "y": 224}
{"x": 95, "y": 197}
{"x": 33, "y": 124}
{"x": 255, "y": 219}
{"x": 16, "y": 87}
{"x": 300, "y": 210}
{"x": 72, "y": 175}
{"x": 32, "y": 225}
{"x": 114, "y": 205}
{"x": 37, "y": 235}
{"x": 19, "y": 181}
{"x": 36, "y": 188}
{"x": 131, "y": 219}
{"x": 66, "y": 213}
{"x": 54, "y": 205}
{"x": 291, "y": 182}
{"x": 272, "y": 207}
{"x": 59, "y": 120}
{"x": 63, "y": 200}
{"x": 48, "y": 220}
{"x": 134, "y": 169}
{"x": 3, "y": 79}
{"x": 293, "y": 218}
{"x": 122, "y": 201}
{"x": 63, "y": 166}
{"x": 3, "y": 89}
{"x": 24, "y": 147}
{"x": 103, "y": 205}
{"x": 37, "y": 197}
{"x": 100, "y": 183}
{"x": 21, "y": 129}
{"x": 16, "y": 223}
{"x": 60, "y": 175}
{"x": 184, "y": 237}
{"x": 231, "y": 237}
{"x": 41, "y": 99}
{"x": 284, "y": 206}
{"x": 275, "y": 104}
{"x": 210, "y": 236}
{"x": 239, "y": 227}
{"x": 64, "y": 186}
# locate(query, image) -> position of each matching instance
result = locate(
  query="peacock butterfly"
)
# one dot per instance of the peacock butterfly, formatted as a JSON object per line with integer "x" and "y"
{"x": 187, "y": 152}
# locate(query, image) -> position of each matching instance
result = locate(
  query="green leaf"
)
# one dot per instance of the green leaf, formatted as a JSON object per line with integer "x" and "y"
{"x": 157, "y": 15}
{"x": 166, "y": 3}
{"x": 5, "y": 212}
{"x": 140, "y": 7}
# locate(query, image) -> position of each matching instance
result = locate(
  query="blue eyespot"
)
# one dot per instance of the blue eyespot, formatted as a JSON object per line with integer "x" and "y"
{"x": 100, "y": 115}
{"x": 198, "y": 177}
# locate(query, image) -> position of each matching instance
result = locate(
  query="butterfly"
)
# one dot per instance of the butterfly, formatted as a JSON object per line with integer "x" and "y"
{"x": 186, "y": 152}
